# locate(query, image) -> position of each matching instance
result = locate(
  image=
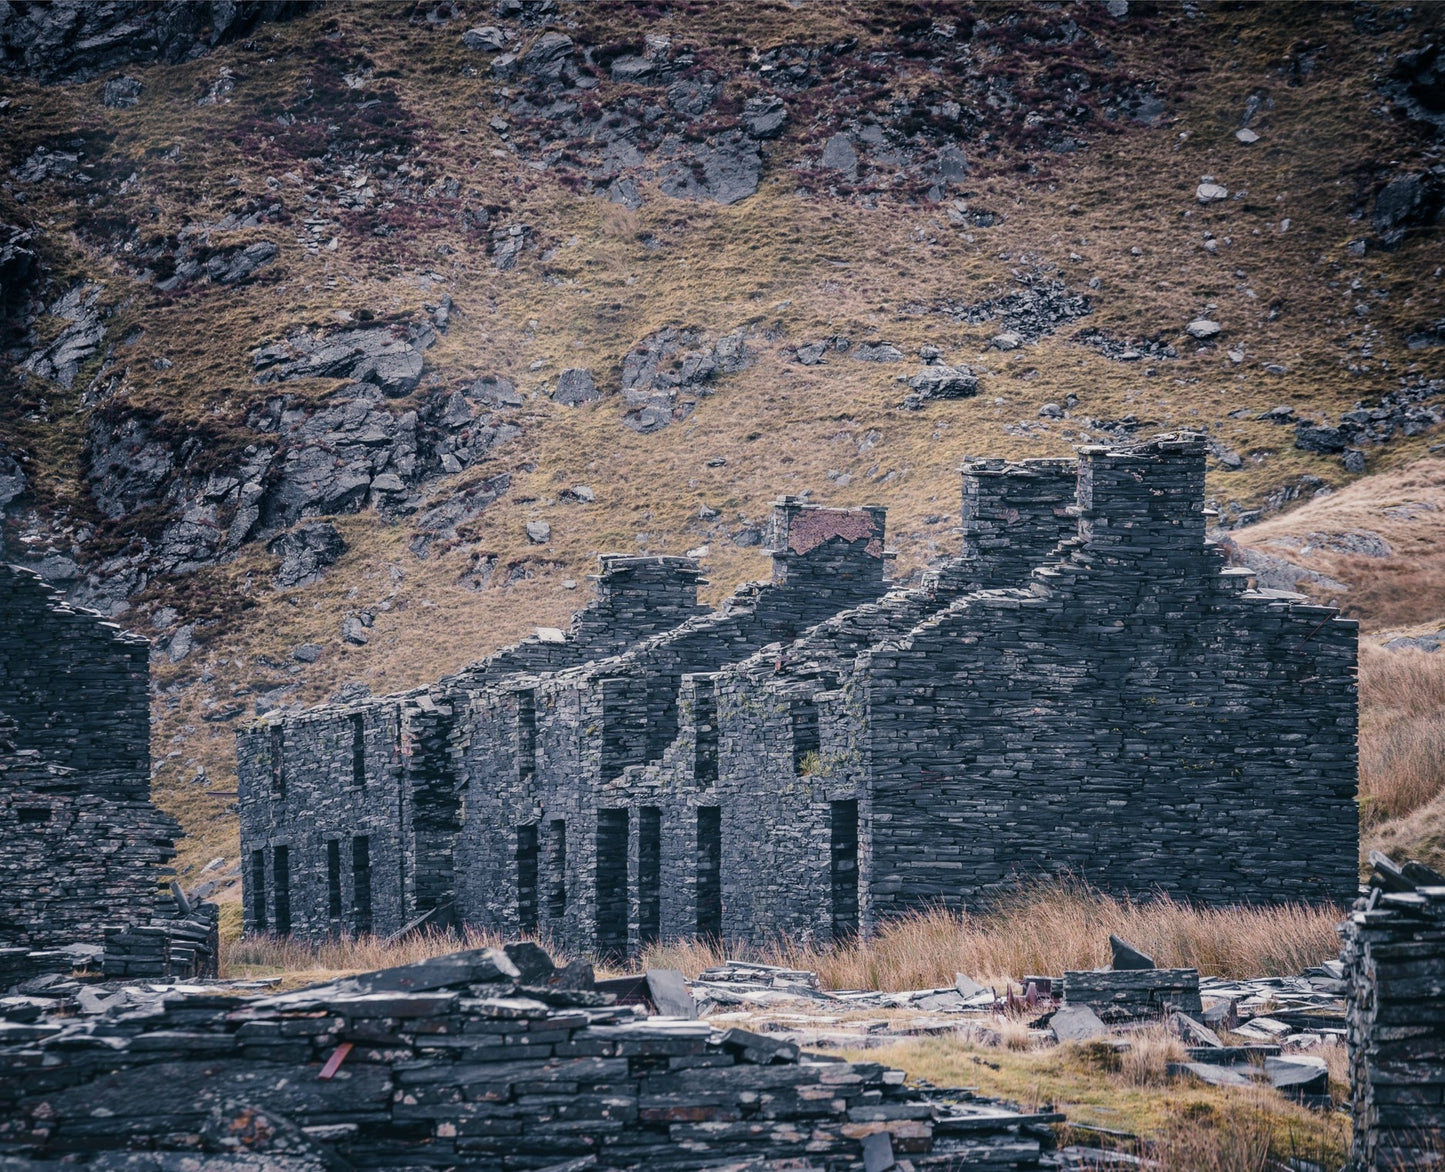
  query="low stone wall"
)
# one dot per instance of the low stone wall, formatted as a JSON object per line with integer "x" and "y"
{"x": 483, "y": 1059}
{"x": 1394, "y": 958}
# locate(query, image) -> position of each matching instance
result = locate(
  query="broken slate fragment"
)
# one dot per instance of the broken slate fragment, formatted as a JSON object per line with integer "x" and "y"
{"x": 1126, "y": 957}
{"x": 1215, "y": 1076}
{"x": 1298, "y": 1074}
{"x": 669, "y": 993}
{"x": 1076, "y": 1023}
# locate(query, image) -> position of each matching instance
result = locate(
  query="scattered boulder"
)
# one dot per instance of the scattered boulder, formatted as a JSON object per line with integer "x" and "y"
{"x": 878, "y": 352}
{"x": 1203, "y": 329}
{"x": 306, "y": 552}
{"x": 1008, "y": 340}
{"x": 494, "y": 390}
{"x": 941, "y": 382}
{"x": 488, "y": 39}
{"x": 1406, "y": 204}
{"x": 353, "y": 631}
{"x": 1311, "y": 437}
{"x": 1354, "y": 461}
{"x": 839, "y": 155}
{"x": 307, "y": 652}
{"x": 764, "y": 116}
{"x": 121, "y": 93}
{"x": 575, "y": 387}
{"x": 1210, "y": 193}
{"x": 1076, "y": 1023}
{"x": 539, "y": 532}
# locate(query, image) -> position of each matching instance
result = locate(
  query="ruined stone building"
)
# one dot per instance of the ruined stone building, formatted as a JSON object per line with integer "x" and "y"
{"x": 81, "y": 846}
{"x": 1085, "y": 689}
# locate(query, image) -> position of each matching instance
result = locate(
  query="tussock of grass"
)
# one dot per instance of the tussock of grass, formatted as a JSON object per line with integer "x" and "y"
{"x": 302, "y": 963}
{"x": 1042, "y": 929}
{"x": 1047, "y": 930}
{"x": 1402, "y": 732}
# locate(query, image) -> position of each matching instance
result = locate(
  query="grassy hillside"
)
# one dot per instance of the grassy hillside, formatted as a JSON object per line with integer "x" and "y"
{"x": 382, "y": 156}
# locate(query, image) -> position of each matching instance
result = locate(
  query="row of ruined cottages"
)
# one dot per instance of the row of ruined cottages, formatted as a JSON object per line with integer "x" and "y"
{"x": 1086, "y": 688}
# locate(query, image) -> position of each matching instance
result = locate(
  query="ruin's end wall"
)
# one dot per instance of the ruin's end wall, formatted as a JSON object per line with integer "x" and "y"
{"x": 81, "y": 846}
{"x": 1135, "y": 717}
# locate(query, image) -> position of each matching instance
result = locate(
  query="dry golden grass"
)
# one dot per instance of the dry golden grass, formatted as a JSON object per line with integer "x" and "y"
{"x": 1047, "y": 930}
{"x": 1040, "y": 930}
{"x": 1402, "y": 732}
{"x": 1187, "y": 1126}
{"x": 1404, "y": 505}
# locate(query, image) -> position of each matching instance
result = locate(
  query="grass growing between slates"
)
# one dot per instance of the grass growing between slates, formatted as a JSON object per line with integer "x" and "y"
{"x": 1044, "y": 929}
{"x": 1047, "y": 929}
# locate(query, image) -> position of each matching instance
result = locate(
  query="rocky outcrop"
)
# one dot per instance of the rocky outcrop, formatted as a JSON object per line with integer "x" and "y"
{"x": 60, "y": 361}
{"x": 305, "y": 553}
{"x": 390, "y": 356}
{"x": 186, "y": 505}
{"x": 19, "y": 264}
{"x": 73, "y": 40}
{"x": 663, "y": 376}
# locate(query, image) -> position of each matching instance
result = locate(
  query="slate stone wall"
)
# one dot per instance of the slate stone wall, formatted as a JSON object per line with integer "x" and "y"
{"x": 1394, "y": 955}
{"x": 603, "y": 733}
{"x": 81, "y": 847}
{"x": 1084, "y": 689}
{"x": 468, "y": 1061}
{"x": 1133, "y": 715}
{"x": 385, "y": 771}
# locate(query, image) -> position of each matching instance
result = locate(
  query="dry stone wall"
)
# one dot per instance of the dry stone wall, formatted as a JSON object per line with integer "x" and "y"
{"x": 1134, "y": 715}
{"x": 81, "y": 847}
{"x": 1394, "y": 955}
{"x": 1084, "y": 689}
{"x": 484, "y": 1059}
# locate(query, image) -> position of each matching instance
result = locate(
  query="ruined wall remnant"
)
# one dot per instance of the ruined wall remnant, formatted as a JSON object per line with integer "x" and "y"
{"x": 81, "y": 847}
{"x": 1084, "y": 689}
{"x": 482, "y": 1059}
{"x": 1394, "y": 955}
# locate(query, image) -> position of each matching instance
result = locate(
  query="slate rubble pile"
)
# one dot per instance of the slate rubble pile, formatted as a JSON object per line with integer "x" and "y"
{"x": 481, "y": 1059}
{"x": 1394, "y": 958}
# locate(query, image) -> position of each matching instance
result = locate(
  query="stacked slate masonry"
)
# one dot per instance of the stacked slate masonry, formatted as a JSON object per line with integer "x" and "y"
{"x": 81, "y": 847}
{"x": 1085, "y": 689}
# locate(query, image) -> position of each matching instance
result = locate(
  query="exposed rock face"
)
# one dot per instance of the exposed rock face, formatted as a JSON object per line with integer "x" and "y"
{"x": 71, "y": 40}
{"x": 727, "y": 171}
{"x": 1406, "y": 204}
{"x": 79, "y": 340}
{"x": 659, "y": 374}
{"x": 18, "y": 263}
{"x": 353, "y": 451}
{"x": 306, "y": 552}
{"x": 575, "y": 386}
{"x": 389, "y": 356}
{"x": 941, "y": 382}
